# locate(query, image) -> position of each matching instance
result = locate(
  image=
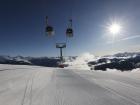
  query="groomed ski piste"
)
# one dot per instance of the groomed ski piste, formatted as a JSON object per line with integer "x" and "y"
{"x": 35, "y": 85}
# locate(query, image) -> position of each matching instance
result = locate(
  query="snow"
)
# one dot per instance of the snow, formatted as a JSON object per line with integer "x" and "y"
{"x": 13, "y": 67}
{"x": 136, "y": 70}
{"x": 18, "y": 58}
{"x": 81, "y": 61}
{"x": 34, "y": 85}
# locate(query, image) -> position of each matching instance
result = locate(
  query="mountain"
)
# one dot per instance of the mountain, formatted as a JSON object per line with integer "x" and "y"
{"x": 121, "y": 61}
{"x": 39, "y": 61}
{"x": 14, "y": 60}
{"x": 127, "y": 54}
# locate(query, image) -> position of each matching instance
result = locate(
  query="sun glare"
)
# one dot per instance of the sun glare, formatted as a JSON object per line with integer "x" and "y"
{"x": 114, "y": 28}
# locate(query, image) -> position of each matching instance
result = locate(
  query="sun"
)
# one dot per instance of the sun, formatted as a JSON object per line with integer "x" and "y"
{"x": 114, "y": 28}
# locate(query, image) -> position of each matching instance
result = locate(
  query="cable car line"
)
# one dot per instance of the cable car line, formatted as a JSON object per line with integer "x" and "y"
{"x": 49, "y": 30}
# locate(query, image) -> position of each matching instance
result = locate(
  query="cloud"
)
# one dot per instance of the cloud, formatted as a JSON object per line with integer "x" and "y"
{"x": 81, "y": 61}
{"x": 124, "y": 39}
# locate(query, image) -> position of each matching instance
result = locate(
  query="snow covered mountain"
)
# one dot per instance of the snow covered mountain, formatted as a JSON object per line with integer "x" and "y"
{"x": 124, "y": 55}
{"x": 121, "y": 61}
{"x": 39, "y": 61}
{"x": 14, "y": 60}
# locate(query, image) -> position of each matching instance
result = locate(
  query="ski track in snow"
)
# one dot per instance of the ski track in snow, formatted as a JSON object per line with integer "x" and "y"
{"x": 53, "y": 86}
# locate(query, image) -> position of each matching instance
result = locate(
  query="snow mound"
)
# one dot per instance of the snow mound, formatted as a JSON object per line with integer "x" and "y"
{"x": 136, "y": 70}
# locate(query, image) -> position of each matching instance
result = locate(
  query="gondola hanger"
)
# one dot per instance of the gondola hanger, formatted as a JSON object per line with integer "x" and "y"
{"x": 69, "y": 30}
{"x": 49, "y": 29}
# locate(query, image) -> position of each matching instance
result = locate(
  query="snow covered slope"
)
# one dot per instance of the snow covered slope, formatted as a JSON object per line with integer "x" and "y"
{"x": 33, "y": 85}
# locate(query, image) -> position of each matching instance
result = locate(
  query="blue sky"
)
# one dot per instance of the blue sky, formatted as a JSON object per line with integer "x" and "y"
{"x": 22, "y": 26}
